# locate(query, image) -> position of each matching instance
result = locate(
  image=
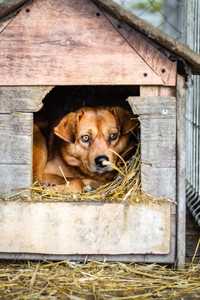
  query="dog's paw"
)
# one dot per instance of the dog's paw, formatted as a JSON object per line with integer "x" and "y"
{"x": 47, "y": 184}
{"x": 88, "y": 188}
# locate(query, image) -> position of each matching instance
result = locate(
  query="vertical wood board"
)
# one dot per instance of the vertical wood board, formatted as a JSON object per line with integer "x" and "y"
{"x": 158, "y": 136}
{"x": 15, "y": 151}
{"x": 16, "y": 138}
{"x": 159, "y": 182}
{"x": 14, "y": 178}
{"x": 181, "y": 198}
{"x": 157, "y": 117}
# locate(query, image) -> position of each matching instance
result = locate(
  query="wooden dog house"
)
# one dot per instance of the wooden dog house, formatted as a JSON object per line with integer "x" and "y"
{"x": 50, "y": 43}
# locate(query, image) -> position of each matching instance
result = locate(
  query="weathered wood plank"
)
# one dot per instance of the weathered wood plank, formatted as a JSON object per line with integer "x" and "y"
{"x": 158, "y": 131}
{"x": 181, "y": 198}
{"x": 150, "y": 258}
{"x": 149, "y": 90}
{"x": 16, "y": 138}
{"x": 164, "y": 107}
{"x": 157, "y": 117}
{"x": 158, "y": 146}
{"x": 23, "y": 98}
{"x": 161, "y": 153}
{"x": 69, "y": 228}
{"x": 15, "y": 149}
{"x": 160, "y": 182}
{"x": 43, "y": 49}
{"x": 14, "y": 177}
{"x": 158, "y": 62}
{"x": 136, "y": 258}
{"x": 17, "y": 123}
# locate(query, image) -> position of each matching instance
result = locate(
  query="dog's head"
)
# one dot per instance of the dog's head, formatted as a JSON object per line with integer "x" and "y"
{"x": 93, "y": 136}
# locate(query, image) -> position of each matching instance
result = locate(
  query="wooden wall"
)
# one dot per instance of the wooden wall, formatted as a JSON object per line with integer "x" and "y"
{"x": 16, "y": 121}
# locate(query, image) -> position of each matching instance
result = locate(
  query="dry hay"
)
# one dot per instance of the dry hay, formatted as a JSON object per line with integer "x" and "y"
{"x": 125, "y": 188}
{"x": 97, "y": 280}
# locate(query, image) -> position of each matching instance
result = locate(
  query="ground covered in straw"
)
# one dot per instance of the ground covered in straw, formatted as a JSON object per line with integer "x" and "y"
{"x": 95, "y": 280}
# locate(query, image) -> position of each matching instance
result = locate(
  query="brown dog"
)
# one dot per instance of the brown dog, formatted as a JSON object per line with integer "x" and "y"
{"x": 85, "y": 150}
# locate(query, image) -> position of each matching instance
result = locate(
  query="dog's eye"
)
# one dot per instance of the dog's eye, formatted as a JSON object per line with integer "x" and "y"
{"x": 113, "y": 136}
{"x": 85, "y": 138}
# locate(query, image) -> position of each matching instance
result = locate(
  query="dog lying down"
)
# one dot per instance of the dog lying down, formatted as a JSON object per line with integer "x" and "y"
{"x": 85, "y": 146}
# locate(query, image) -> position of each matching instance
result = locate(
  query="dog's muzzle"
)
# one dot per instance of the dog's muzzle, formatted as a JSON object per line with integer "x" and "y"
{"x": 102, "y": 164}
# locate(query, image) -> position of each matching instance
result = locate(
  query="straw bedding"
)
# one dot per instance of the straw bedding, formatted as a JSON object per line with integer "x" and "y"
{"x": 96, "y": 280}
{"x": 127, "y": 181}
{"x": 125, "y": 188}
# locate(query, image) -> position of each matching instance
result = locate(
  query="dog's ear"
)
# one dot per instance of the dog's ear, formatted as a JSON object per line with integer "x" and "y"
{"x": 66, "y": 128}
{"x": 126, "y": 121}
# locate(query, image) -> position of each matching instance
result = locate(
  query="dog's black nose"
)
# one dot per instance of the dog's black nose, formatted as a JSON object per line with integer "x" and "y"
{"x": 99, "y": 161}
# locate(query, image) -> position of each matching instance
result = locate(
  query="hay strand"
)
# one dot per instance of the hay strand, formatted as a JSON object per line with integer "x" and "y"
{"x": 97, "y": 280}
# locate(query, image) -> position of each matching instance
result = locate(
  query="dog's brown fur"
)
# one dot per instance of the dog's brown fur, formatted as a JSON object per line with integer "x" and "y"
{"x": 86, "y": 140}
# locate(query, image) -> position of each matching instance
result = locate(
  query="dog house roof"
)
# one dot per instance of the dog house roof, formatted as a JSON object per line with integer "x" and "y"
{"x": 57, "y": 42}
{"x": 179, "y": 49}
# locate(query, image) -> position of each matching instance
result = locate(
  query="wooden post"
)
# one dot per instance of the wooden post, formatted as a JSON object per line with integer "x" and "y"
{"x": 181, "y": 199}
{"x": 157, "y": 116}
{"x": 16, "y": 121}
{"x": 15, "y": 151}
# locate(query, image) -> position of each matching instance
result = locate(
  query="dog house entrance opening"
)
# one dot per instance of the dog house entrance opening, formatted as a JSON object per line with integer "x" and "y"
{"x": 86, "y": 138}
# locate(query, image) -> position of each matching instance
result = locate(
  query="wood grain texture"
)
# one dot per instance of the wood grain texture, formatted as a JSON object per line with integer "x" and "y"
{"x": 14, "y": 178}
{"x": 83, "y": 228}
{"x": 149, "y": 258}
{"x": 181, "y": 198}
{"x": 15, "y": 151}
{"x": 155, "y": 59}
{"x": 160, "y": 182}
{"x": 22, "y": 99}
{"x": 16, "y": 138}
{"x": 158, "y": 137}
{"x": 162, "y": 107}
{"x": 65, "y": 42}
{"x": 157, "y": 117}
{"x": 149, "y": 90}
